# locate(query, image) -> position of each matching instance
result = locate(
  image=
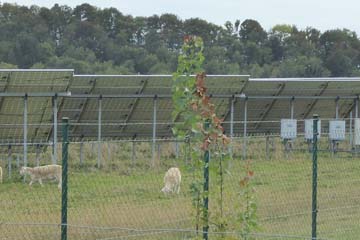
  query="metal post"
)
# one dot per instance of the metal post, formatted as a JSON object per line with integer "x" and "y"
{"x": 351, "y": 131}
{"x": 231, "y": 127}
{"x": 133, "y": 154}
{"x": 17, "y": 161}
{"x": 245, "y": 128}
{"x": 356, "y": 116}
{"x": 292, "y": 108}
{"x": 154, "y": 132}
{"x": 99, "y": 132}
{"x": 337, "y": 108}
{"x": 64, "y": 184}
{"x": 25, "y": 130}
{"x": 37, "y": 155}
{"x": 267, "y": 150}
{"x": 81, "y": 152}
{"x": 55, "y": 114}
{"x": 9, "y": 160}
{"x": 314, "y": 177}
{"x": 206, "y": 190}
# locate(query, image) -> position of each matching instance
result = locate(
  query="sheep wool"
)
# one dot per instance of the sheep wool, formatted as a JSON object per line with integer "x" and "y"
{"x": 43, "y": 172}
{"x": 172, "y": 180}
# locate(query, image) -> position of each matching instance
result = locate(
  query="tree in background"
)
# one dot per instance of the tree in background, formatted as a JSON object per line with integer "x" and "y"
{"x": 94, "y": 40}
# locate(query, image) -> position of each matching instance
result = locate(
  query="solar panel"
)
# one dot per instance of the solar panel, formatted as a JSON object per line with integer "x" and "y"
{"x": 133, "y": 115}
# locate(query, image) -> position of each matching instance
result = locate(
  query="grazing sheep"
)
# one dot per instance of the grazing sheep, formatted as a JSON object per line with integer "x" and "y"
{"x": 43, "y": 172}
{"x": 1, "y": 177}
{"x": 172, "y": 180}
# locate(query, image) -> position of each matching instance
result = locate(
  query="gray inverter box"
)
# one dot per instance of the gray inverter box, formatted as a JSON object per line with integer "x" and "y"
{"x": 288, "y": 128}
{"x": 357, "y": 131}
{"x": 337, "y": 130}
{"x": 309, "y": 129}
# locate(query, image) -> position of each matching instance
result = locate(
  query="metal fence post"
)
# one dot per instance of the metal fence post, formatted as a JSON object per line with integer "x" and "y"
{"x": 55, "y": 113}
{"x": 64, "y": 185}
{"x": 292, "y": 107}
{"x": 99, "y": 132}
{"x": 206, "y": 189}
{"x": 81, "y": 151}
{"x": 231, "y": 127}
{"x": 154, "y": 132}
{"x": 25, "y": 130}
{"x": 38, "y": 155}
{"x": 314, "y": 177}
{"x": 351, "y": 130}
{"x": 9, "y": 160}
{"x": 245, "y": 128}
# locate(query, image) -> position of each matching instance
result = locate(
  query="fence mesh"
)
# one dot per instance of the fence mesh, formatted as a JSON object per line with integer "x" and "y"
{"x": 123, "y": 200}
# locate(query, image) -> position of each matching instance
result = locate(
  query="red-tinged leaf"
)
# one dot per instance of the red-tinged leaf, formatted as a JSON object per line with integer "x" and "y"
{"x": 206, "y": 144}
{"x": 220, "y": 128}
{"x": 250, "y": 173}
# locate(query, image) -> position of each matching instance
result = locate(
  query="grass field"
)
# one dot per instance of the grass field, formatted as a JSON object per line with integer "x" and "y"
{"x": 123, "y": 199}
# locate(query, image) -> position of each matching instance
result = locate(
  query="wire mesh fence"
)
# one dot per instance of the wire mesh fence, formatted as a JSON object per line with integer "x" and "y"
{"x": 122, "y": 198}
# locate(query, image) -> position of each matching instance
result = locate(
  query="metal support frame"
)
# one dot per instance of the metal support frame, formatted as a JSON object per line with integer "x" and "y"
{"x": 9, "y": 161}
{"x": 133, "y": 106}
{"x": 245, "y": 129}
{"x": 81, "y": 152}
{"x": 25, "y": 126}
{"x": 38, "y": 155}
{"x": 292, "y": 108}
{"x": 85, "y": 104}
{"x": 316, "y": 99}
{"x": 231, "y": 126}
{"x": 351, "y": 130}
{"x": 270, "y": 106}
{"x": 337, "y": 107}
{"x": 154, "y": 131}
{"x": 133, "y": 153}
{"x": 99, "y": 132}
{"x": 55, "y": 122}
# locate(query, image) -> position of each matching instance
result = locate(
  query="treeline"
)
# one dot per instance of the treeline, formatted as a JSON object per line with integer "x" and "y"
{"x": 105, "y": 41}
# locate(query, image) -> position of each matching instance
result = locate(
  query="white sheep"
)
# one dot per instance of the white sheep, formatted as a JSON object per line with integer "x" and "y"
{"x": 1, "y": 175}
{"x": 43, "y": 172}
{"x": 172, "y": 180}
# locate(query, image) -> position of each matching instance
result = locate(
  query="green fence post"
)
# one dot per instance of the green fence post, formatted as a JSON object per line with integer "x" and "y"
{"x": 206, "y": 189}
{"x": 64, "y": 186}
{"x": 314, "y": 177}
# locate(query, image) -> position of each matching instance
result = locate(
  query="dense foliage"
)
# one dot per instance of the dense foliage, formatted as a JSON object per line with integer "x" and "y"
{"x": 93, "y": 40}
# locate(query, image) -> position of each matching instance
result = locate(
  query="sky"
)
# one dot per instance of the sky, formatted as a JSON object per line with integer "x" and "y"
{"x": 321, "y": 14}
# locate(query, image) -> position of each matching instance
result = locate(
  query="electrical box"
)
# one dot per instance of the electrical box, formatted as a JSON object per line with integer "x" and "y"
{"x": 288, "y": 128}
{"x": 357, "y": 131}
{"x": 309, "y": 127}
{"x": 337, "y": 130}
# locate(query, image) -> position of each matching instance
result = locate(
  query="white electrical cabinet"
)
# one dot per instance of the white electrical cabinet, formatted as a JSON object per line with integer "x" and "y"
{"x": 309, "y": 128}
{"x": 357, "y": 131}
{"x": 337, "y": 130}
{"x": 288, "y": 128}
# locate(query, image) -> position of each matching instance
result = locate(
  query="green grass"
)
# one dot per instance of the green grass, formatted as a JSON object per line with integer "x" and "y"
{"x": 112, "y": 202}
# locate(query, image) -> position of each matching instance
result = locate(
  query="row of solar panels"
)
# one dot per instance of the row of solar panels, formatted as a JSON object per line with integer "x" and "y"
{"x": 133, "y": 116}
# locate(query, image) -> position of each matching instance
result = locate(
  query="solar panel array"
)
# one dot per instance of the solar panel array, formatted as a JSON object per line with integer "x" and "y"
{"x": 127, "y": 103}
